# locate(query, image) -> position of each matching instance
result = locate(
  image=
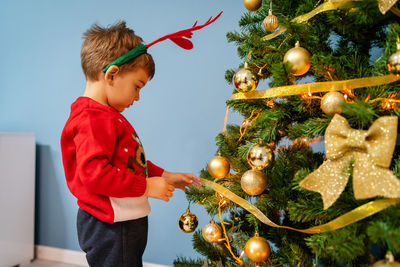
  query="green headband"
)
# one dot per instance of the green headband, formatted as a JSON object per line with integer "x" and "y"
{"x": 125, "y": 58}
{"x": 176, "y": 37}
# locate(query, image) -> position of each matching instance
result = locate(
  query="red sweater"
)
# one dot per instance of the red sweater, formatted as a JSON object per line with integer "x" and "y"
{"x": 104, "y": 162}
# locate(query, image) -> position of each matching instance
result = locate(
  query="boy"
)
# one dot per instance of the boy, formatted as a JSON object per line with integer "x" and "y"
{"x": 104, "y": 162}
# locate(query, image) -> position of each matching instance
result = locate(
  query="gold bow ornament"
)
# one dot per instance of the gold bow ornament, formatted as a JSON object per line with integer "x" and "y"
{"x": 386, "y": 5}
{"x": 370, "y": 153}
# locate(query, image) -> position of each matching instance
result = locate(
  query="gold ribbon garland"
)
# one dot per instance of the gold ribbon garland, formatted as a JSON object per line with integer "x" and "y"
{"x": 371, "y": 151}
{"x": 330, "y": 5}
{"x": 316, "y": 87}
{"x": 350, "y": 217}
{"x": 395, "y": 11}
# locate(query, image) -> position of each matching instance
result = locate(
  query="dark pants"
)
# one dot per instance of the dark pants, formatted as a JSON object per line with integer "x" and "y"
{"x": 118, "y": 244}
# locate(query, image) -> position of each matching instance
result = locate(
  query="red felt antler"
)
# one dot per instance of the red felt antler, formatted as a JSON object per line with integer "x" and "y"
{"x": 177, "y": 37}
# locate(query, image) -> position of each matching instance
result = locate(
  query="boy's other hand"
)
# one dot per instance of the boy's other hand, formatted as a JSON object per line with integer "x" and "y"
{"x": 182, "y": 180}
{"x": 160, "y": 188}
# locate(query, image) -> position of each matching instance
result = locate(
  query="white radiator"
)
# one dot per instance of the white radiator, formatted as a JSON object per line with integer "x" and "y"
{"x": 17, "y": 198}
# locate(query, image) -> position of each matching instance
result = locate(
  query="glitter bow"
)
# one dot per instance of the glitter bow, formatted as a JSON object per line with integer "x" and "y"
{"x": 368, "y": 152}
{"x": 385, "y": 5}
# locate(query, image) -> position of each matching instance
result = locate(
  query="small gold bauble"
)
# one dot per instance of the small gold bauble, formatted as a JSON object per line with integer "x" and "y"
{"x": 188, "y": 222}
{"x": 259, "y": 156}
{"x": 257, "y": 248}
{"x": 387, "y": 262}
{"x": 252, "y": 5}
{"x": 244, "y": 80}
{"x": 270, "y": 22}
{"x": 211, "y": 232}
{"x": 253, "y": 182}
{"x": 299, "y": 59}
{"x": 393, "y": 62}
{"x": 218, "y": 167}
{"x": 331, "y": 103}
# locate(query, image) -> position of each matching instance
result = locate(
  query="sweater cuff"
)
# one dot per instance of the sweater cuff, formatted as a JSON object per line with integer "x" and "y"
{"x": 154, "y": 170}
{"x": 139, "y": 187}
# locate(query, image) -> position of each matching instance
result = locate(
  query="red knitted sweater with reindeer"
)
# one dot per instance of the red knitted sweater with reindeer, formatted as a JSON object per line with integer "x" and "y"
{"x": 104, "y": 162}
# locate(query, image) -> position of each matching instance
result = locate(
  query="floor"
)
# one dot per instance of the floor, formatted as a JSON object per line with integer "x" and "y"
{"x": 44, "y": 263}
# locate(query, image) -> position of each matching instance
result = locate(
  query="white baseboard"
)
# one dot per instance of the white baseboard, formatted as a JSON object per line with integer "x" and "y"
{"x": 60, "y": 255}
{"x": 70, "y": 256}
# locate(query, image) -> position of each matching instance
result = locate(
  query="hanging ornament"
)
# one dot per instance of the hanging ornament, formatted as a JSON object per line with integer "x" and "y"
{"x": 252, "y": 5}
{"x": 331, "y": 103}
{"x": 218, "y": 167}
{"x": 253, "y": 182}
{"x": 387, "y": 262}
{"x": 244, "y": 80}
{"x": 259, "y": 156}
{"x": 211, "y": 232}
{"x": 188, "y": 222}
{"x": 270, "y": 22}
{"x": 299, "y": 59}
{"x": 393, "y": 63}
{"x": 257, "y": 249}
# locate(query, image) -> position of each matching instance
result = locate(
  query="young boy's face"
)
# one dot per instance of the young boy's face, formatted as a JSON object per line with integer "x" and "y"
{"x": 125, "y": 88}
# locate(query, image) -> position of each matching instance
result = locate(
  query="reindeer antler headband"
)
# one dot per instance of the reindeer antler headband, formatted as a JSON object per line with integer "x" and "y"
{"x": 176, "y": 37}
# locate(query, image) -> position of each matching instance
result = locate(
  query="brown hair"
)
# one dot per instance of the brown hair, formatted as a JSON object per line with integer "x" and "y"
{"x": 103, "y": 45}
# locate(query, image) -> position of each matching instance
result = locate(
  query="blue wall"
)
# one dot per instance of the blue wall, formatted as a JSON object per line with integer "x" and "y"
{"x": 180, "y": 112}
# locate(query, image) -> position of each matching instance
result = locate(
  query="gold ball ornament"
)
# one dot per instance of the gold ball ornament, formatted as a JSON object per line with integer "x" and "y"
{"x": 188, "y": 222}
{"x": 211, "y": 232}
{"x": 252, "y": 5}
{"x": 331, "y": 103}
{"x": 244, "y": 80}
{"x": 393, "y": 62}
{"x": 299, "y": 59}
{"x": 259, "y": 156}
{"x": 218, "y": 167}
{"x": 270, "y": 22}
{"x": 253, "y": 182}
{"x": 387, "y": 262}
{"x": 257, "y": 249}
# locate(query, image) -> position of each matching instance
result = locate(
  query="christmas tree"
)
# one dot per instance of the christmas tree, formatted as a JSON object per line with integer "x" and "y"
{"x": 332, "y": 71}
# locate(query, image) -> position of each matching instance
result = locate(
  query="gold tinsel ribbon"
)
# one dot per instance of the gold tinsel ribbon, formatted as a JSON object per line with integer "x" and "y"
{"x": 330, "y": 5}
{"x": 316, "y": 87}
{"x": 350, "y": 217}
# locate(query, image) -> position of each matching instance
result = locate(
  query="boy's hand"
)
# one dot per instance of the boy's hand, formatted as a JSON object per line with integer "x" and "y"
{"x": 182, "y": 180}
{"x": 160, "y": 188}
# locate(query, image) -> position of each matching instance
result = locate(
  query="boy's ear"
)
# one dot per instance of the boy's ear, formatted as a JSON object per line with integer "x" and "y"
{"x": 111, "y": 73}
